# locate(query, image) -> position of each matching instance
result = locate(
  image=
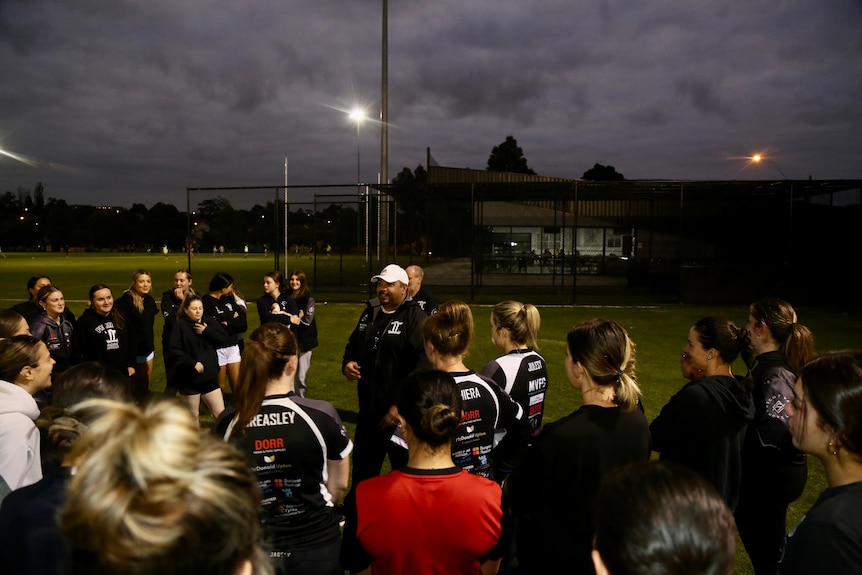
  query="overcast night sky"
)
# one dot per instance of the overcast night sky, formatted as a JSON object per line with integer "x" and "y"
{"x": 131, "y": 101}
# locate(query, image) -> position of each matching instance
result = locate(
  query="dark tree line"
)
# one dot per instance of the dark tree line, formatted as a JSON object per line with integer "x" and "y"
{"x": 30, "y": 222}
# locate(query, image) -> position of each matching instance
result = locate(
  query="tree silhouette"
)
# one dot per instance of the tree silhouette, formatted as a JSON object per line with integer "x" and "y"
{"x": 600, "y": 173}
{"x": 508, "y": 157}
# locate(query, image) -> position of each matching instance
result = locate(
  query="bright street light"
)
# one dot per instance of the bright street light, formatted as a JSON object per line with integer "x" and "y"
{"x": 757, "y": 158}
{"x": 357, "y": 115}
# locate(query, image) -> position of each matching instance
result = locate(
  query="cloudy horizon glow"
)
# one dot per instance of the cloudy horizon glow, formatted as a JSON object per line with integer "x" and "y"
{"x": 132, "y": 102}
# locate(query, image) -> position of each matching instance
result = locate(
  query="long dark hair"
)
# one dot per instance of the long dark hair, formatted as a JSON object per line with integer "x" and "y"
{"x": 659, "y": 517}
{"x": 279, "y": 281}
{"x": 266, "y": 353}
{"x": 303, "y": 284}
{"x": 116, "y": 316}
{"x": 723, "y": 336}
{"x": 794, "y": 340}
{"x": 833, "y": 386}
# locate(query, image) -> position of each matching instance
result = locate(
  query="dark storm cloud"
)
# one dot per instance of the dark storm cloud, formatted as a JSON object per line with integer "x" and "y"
{"x": 135, "y": 100}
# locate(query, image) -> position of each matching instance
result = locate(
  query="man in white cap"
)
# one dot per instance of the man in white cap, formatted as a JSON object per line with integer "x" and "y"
{"x": 383, "y": 349}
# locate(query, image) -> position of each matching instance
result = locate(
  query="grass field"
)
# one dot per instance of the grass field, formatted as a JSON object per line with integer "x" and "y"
{"x": 658, "y": 332}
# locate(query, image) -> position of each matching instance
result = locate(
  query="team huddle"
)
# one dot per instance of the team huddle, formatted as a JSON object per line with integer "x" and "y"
{"x": 104, "y": 477}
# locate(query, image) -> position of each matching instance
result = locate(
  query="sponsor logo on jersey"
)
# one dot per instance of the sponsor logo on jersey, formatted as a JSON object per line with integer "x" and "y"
{"x": 468, "y": 393}
{"x": 471, "y": 415}
{"x": 273, "y": 443}
{"x": 537, "y": 384}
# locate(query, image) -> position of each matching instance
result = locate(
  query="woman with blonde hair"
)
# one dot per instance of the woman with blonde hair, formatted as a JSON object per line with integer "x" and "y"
{"x": 140, "y": 309}
{"x": 308, "y": 444}
{"x": 552, "y": 494}
{"x": 154, "y": 496}
{"x": 521, "y": 371}
{"x": 487, "y": 408}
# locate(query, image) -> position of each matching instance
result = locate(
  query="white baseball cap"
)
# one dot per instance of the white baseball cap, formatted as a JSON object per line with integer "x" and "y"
{"x": 392, "y": 273}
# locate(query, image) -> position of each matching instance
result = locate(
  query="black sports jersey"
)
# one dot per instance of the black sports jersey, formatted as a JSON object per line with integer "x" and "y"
{"x": 522, "y": 374}
{"x": 98, "y": 338}
{"x": 288, "y": 444}
{"x": 229, "y": 314}
{"x": 486, "y": 408}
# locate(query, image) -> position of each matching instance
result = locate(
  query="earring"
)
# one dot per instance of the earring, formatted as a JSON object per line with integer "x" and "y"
{"x": 832, "y": 449}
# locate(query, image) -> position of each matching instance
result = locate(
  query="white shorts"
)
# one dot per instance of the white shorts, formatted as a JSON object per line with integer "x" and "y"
{"x": 227, "y": 355}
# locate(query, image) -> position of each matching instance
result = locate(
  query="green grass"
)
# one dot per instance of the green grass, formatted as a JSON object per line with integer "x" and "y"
{"x": 658, "y": 332}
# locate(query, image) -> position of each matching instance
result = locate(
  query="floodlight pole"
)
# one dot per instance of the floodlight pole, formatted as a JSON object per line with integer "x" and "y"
{"x": 188, "y": 228}
{"x": 286, "y": 212}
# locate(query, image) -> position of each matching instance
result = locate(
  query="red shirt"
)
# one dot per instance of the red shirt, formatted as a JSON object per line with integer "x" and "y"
{"x": 444, "y": 521}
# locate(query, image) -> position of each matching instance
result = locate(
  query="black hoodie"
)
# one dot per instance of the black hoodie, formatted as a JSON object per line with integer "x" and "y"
{"x": 703, "y": 426}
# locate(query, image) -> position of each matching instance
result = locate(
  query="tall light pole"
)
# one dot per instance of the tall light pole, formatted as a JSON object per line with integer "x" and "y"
{"x": 286, "y": 213}
{"x": 383, "y": 199}
{"x": 357, "y": 115}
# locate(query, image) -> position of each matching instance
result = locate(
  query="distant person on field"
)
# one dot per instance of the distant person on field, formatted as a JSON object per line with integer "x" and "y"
{"x": 421, "y": 295}
{"x": 654, "y": 517}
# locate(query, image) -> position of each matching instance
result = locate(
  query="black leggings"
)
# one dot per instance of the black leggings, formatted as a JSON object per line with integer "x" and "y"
{"x": 765, "y": 493}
